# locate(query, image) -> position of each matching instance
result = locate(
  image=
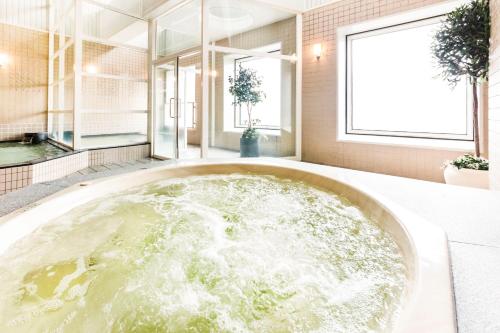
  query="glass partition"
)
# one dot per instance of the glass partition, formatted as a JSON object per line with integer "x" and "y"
{"x": 98, "y": 73}
{"x": 249, "y": 25}
{"x": 61, "y": 76}
{"x": 114, "y": 76}
{"x": 273, "y": 117}
{"x": 242, "y": 35}
{"x": 179, "y": 30}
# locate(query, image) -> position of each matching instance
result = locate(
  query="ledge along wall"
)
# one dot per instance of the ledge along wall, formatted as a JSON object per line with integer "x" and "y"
{"x": 319, "y": 119}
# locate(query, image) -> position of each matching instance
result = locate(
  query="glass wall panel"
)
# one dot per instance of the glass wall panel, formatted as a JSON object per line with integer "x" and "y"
{"x": 246, "y": 24}
{"x": 190, "y": 106}
{"x": 273, "y": 117}
{"x": 104, "y": 24}
{"x": 133, "y": 7}
{"x": 114, "y": 81}
{"x": 60, "y": 119}
{"x": 179, "y": 30}
{"x": 165, "y": 132}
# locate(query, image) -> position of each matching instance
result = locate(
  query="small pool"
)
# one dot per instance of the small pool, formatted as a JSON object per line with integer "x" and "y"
{"x": 12, "y": 153}
{"x": 252, "y": 246}
{"x": 215, "y": 253}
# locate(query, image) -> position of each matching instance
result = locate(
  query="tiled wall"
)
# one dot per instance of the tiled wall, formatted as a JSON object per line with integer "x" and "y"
{"x": 319, "y": 143}
{"x": 60, "y": 167}
{"x": 23, "y": 82}
{"x": 120, "y": 154}
{"x": 494, "y": 96}
{"x": 16, "y": 178}
{"x": 105, "y": 96}
{"x": 12, "y": 179}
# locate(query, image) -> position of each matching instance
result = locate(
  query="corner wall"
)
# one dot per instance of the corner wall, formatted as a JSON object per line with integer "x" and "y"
{"x": 494, "y": 96}
{"x": 319, "y": 144}
{"x": 23, "y": 81}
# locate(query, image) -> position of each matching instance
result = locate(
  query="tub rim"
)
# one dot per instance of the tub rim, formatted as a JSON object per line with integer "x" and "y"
{"x": 428, "y": 304}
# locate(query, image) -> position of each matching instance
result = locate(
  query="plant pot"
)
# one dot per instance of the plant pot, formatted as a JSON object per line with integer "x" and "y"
{"x": 249, "y": 148}
{"x": 466, "y": 177}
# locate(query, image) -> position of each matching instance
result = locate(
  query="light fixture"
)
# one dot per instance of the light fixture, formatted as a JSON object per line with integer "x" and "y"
{"x": 4, "y": 60}
{"x": 317, "y": 49}
{"x": 91, "y": 69}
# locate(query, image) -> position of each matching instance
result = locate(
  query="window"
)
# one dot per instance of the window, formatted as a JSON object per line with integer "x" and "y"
{"x": 267, "y": 112}
{"x": 392, "y": 88}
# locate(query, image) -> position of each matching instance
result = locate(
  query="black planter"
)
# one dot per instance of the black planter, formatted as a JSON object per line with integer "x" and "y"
{"x": 249, "y": 148}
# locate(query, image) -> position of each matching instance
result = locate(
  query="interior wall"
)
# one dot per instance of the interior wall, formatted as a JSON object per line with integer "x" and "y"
{"x": 494, "y": 96}
{"x": 319, "y": 144}
{"x": 23, "y": 81}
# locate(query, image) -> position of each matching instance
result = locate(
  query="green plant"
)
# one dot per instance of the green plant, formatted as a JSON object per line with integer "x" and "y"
{"x": 461, "y": 47}
{"x": 470, "y": 162}
{"x": 245, "y": 88}
{"x": 250, "y": 134}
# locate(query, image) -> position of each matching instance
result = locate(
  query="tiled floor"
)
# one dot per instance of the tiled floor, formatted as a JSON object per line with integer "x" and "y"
{"x": 471, "y": 219}
{"x": 23, "y": 198}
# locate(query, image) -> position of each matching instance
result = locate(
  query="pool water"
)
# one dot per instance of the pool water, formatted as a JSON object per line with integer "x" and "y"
{"x": 217, "y": 253}
{"x": 16, "y": 152}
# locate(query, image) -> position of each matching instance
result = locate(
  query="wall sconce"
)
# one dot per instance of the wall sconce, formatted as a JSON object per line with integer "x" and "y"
{"x": 317, "y": 49}
{"x": 4, "y": 60}
{"x": 91, "y": 69}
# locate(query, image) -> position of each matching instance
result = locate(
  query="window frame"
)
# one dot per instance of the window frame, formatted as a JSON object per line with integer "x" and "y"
{"x": 237, "y": 112}
{"x": 402, "y": 21}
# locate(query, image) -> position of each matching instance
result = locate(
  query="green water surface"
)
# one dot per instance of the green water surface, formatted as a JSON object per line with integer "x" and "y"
{"x": 219, "y": 253}
{"x": 16, "y": 152}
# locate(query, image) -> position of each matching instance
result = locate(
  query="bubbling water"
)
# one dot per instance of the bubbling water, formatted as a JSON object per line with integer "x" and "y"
{"x": 217, "y": 253}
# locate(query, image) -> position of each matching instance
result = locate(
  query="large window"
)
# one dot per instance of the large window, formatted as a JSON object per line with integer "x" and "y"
{"x": 268, "y": 112}
{"x": 393, "y": 88}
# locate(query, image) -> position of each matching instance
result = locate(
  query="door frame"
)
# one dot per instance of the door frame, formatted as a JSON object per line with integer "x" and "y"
{"x": 155, "y": 120}
{"x": 173, "y": 58}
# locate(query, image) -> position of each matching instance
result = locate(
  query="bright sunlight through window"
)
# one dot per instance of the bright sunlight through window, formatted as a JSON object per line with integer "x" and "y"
{"x": 393, "y": 87}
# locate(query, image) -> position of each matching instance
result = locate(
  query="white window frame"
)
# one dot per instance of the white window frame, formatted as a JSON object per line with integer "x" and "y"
{"x": 345, "y": 35}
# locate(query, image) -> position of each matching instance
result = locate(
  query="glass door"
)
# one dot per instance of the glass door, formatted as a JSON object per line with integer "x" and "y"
{"x": 165, "y": 144}
{"x": 177, "y": 99}
{"x": 189, "y": 106}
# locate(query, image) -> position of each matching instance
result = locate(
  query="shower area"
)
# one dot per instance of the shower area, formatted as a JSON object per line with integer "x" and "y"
{"x": 119, "y": 76}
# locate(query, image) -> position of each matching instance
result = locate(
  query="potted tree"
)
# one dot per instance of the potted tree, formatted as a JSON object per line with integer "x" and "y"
{"x": 245, "y": 88}
{"x": 461, "y": 47}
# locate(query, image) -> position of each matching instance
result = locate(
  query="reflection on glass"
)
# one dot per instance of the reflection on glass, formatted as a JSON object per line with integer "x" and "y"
{"x": 275, "y": 112}
{"x": 105, "y": 24}
{"x": 165, "y": 126}
{"x": 246, "y": 24}
{"x": 179, "y": 30}
{"x": 133, "y": 7}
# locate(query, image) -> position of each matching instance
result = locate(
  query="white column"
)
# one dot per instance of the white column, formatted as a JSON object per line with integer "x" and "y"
{"x": 50, "y": 97}
{"x": 151, "y": 81}
{"x": 205, "y": 79}
{"x": 77, "y": 87}
{"x": 298, "y": 90}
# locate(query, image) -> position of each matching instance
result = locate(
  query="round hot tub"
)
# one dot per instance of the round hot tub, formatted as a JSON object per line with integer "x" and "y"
{"x": 247, "y": 246}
